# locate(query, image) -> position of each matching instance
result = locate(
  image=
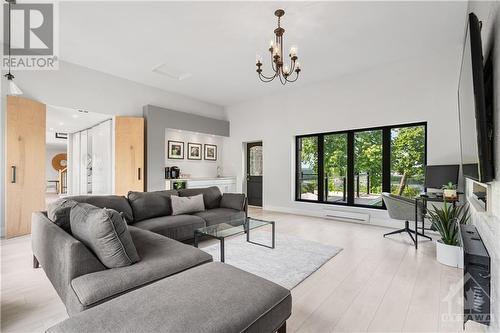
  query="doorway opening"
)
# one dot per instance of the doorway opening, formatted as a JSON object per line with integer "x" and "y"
{"x": 254, "y": 173}
{"x": 70, "y": 160}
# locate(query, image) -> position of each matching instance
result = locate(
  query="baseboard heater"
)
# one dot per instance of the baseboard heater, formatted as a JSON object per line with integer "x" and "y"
{"x": 347, "y": 216}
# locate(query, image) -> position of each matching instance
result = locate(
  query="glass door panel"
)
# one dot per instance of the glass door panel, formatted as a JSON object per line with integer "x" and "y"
{"x": 255, "y": 156}
{"x": 407, "y": 160}
{"x": 307, "y": 181}
{"x": 335, "y": 167}
{"x": 368, "y": 168}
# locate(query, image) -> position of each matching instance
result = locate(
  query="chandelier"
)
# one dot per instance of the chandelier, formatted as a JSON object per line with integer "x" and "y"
{"x": 282, "y": 71}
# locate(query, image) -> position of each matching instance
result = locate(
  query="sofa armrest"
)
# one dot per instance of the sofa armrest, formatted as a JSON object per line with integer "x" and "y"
{"x": 61, "y": 256}
{"x": 234, "y": 201}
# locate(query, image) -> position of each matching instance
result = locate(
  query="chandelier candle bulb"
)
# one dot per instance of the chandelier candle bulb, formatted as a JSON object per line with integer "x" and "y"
{"x": 293, "y": 51}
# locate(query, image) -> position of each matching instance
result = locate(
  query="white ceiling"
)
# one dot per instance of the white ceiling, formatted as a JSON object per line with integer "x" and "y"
{"x": 66, "y": 120}
{"x": 214, "y": 44}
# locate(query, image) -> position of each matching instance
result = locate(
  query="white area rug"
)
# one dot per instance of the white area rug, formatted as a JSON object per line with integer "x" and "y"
{"x": 289, "y": 263}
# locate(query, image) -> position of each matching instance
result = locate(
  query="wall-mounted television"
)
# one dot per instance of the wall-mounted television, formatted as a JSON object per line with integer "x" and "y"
{"x": 475, "y": 101}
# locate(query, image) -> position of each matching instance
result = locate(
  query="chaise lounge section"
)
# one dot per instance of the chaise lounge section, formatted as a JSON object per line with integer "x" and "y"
{"x": 212, "y": 298}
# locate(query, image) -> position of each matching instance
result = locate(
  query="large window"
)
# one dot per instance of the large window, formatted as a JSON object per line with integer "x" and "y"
{"x": 354, "y": 167}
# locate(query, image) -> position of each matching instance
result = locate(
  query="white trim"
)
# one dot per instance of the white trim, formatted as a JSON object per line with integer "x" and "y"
{"x": 321, "y": 213}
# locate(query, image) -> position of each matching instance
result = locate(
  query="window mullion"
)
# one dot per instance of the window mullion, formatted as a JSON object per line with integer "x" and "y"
{"x": 386, "y": 159}
{"x": 321, "y": 168}
{"x": 350, "y": 168}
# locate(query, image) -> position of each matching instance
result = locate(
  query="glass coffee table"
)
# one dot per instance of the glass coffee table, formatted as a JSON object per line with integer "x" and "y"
{"x": 223, "y": 230}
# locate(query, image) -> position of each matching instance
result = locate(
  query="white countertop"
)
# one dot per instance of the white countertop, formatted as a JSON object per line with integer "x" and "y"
{"x": 203, "y": 178}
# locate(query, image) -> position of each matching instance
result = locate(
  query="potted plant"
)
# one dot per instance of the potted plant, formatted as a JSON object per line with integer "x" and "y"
{"x": 450, "y": 190}
{"x": 446, "y": 221}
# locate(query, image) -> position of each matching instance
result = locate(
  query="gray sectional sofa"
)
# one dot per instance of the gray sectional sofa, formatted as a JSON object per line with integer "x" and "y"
{"x": 83, "y": 282}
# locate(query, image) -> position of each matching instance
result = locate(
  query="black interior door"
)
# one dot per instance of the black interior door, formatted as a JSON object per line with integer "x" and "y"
{"x": 254, "y": 173}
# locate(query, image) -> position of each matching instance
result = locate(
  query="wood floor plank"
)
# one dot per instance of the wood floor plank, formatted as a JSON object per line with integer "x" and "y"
{"x": 391, "y": 314}
{"x": 362, "y": 310}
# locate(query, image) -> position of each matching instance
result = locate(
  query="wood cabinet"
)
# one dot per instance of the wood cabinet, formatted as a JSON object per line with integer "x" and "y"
{"x": 25, "y": 163}
{"x": 129, "y": 154}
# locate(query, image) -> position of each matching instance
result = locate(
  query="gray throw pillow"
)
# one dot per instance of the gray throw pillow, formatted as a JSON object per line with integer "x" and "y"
{"x": 105, "y": 232}
{"x": 233, "y": 201}
{"x": 187, "y": 205}
{"x": 58, "y": 212}
{"x": 146, "y": 205}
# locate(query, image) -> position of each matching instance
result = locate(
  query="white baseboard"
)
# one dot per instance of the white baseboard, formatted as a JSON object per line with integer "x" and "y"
{"x": 375, "y": 219}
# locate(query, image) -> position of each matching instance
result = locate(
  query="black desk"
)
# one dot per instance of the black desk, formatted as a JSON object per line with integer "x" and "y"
{"x": 424, "y": 198}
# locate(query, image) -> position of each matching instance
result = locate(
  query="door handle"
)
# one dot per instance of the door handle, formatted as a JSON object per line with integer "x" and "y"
{"x": 13, "y": 180}
{"x": 139, "y": 173}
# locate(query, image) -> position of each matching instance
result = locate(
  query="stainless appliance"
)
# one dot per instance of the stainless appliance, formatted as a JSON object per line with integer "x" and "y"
{"x": 175, "y": 172}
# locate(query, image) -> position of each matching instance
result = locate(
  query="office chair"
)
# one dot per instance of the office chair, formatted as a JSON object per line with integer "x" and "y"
{"x": 401, "y": 208}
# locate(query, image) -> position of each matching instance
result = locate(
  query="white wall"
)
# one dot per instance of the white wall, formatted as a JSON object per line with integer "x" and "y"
{"x": 488, "y": 224}
{"x": 410, "y": 91}
{"x": 196, "y": 168}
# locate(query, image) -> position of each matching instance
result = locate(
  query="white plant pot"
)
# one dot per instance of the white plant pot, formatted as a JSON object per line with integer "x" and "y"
{"x": 450, "y": 193}
{"x": 449, "y": 255}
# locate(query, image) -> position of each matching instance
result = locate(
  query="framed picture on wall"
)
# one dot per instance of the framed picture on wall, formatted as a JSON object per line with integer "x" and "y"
{"x": 194, "y": 151}
{"x": 210, "y": 152}
{"x": 175, "y": 150}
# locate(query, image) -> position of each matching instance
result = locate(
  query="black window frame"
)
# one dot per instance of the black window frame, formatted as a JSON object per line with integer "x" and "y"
{"x": 386, "y": 162}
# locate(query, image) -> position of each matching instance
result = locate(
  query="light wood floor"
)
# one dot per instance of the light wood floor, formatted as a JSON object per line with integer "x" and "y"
{"x": 373, "y": 285}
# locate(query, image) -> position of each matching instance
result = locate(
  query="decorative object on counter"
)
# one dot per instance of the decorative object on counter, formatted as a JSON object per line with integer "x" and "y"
{"x": 176, "y": 150}
{"x": 219, "y": 171}
{"x": 446, "y": 221}
{"x": 194, "y": 151}
{"x": 210, "y": 152}
{"x": 449, "y": 191}
{"x": 179, "y": 185}
{"x": 167, "y": 172}
{"x": 175, "y": 172}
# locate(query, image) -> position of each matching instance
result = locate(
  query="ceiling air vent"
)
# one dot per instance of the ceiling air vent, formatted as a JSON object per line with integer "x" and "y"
{"x": 171, "y": 73}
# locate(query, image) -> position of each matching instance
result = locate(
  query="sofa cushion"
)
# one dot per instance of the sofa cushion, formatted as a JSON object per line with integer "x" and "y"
{"x": 146, "y": 205}
{"x": 211, "y": 195}
{"x": 222, "y": 215}
{"x": 179, "y": 227}
{"x": 187, "y": 205}
{"x": 105, "y": 232}
{"x": 59, "y": 212}
{"x": 116, "y": 202}
{"x": 211, "y": 298}
{"x": 233, "y": 201}
{"x": 160, "y": 257}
